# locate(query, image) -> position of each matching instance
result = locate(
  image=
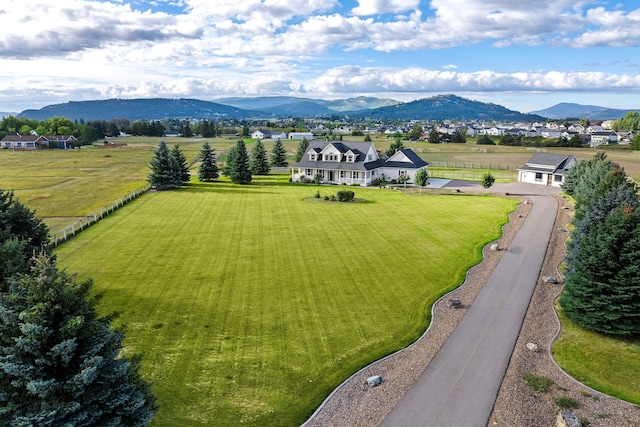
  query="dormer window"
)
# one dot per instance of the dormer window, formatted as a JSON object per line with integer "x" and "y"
{"x": 350, "y": 158}
{"x": 312, "y": 156}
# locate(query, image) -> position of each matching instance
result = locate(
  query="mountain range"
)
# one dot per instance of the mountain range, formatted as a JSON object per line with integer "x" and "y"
{"x": 441, "y": 107}
{"x": 566, "y": 110}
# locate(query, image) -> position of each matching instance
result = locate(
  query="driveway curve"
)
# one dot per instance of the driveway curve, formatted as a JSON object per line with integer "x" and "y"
{"x": 461, "y": 383}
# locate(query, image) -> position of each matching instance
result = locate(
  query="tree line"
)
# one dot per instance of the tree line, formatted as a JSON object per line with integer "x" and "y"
{"x": 169, "y": 168}
{"x": 602, "y": 278}
{"x": 60, "y": 363}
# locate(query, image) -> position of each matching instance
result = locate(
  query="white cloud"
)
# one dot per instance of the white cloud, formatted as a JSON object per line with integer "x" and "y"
{"x": 377, "y": 7}
{"x": 360, "y": 79}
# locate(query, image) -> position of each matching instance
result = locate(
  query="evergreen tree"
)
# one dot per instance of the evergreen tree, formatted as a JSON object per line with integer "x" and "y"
{"x": 165, "y": 170}
{"x": 602, "y": 280}
{"x": 60, "y": 364}
{"x": 232, "y": 156}
{"x": 279, "y": 155}
{"x": 258, "y": 164}
{"x": 416, "y": 132}
{"x": 239, "y": 164}
{"x": 396, "y": 145}
{"x": 21, "y": 235}
{"x": 208, "y": 170}
{"x": 434, "y": 137}
{"x": 177, "y": 154}
{"x": 302, "y": 148}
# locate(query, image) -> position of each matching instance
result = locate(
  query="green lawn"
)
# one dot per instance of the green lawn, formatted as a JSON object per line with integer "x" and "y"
{"x": 605, "y": 363}
{"x": 250, "y": 304}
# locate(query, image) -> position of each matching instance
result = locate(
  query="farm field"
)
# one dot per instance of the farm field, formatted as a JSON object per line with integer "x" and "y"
{"x": 64, "y": 185}
{"x": 250, "y": 304}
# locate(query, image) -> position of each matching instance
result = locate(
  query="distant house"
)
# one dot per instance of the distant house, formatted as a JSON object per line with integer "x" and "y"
{"x": 35, "y": 142}
{"x": 267, "y": 134}
{"x": 546, "y": 169}
{"x": 602, "y": 138}
{"x": 354, "y": 163}
{"x": 301, "y": 135}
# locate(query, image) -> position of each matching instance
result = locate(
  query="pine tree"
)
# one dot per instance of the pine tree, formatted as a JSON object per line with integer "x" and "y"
{"x": 208, "y": 170}
{"x": 602, "y": 280}
{"x": 165, "y": 170}
{"x": 279, "y": 155}
{"x": 394, "y": 147}
{"x": 21, "y": 235}
{"x": 238, "y": 161}
{"x": 177, "y": 154}
{"x": 302, "y": 148}
{"x": 60, "y": 364}
{"x": 258, "y": 164}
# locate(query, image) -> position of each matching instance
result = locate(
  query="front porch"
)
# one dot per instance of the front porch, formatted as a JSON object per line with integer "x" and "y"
{"x": 333, "y": 176}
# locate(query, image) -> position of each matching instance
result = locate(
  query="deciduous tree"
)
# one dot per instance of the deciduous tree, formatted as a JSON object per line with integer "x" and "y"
{"x": 422, "y": 177}
{"x": 395, "y": 146}
{"x": 487, "y": 181}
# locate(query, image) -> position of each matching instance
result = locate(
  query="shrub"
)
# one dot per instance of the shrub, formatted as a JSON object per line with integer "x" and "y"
{"x": 326, "y": 197}
{"x": 567, "y": 403}
{"x": 345, "y": 196}
{"x": 538, "y": 383}
{"x": 317, "y": 178}
{"x": 375, "y": 182}
{"x": 333, "y": 198}
{"x": 317, "y": 195}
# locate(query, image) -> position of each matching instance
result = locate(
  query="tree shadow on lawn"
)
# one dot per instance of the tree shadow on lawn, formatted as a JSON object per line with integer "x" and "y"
{"x": 222, "y": 187}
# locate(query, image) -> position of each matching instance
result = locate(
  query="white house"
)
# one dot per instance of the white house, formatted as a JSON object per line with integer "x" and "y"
{"x": 546, "y": 169}
{"x": 31, "y": 142}
{"x": 354, "y": 163}
{"x": 301, "y": 135}
{"x": 602, "y": 138}
{"x": 267, "y": 134}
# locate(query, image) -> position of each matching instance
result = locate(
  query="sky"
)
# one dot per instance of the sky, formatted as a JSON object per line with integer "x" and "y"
{"x": 524, "y": 55}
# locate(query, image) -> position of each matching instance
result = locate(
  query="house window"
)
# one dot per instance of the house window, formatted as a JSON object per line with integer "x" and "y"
{"x": 557, "y": 178}
{"x": 312, "y": 157}
{"x": 538, "y": 176}
{"x": 402, "y": 173}
{"x": 341, "y": 174}
{"x": 350, "y": 159}
{"x": 308, "y": 172}
{"x": 369, "y": 157}
{"x": 354, "y": 174}
{"x": 330, "y": 157}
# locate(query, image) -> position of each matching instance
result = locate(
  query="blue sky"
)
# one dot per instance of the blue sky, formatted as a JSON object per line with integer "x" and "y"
{"x": 523, "y": 55}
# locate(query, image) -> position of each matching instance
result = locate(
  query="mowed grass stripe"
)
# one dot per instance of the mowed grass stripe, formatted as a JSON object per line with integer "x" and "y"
{"x": 250, "y": 304}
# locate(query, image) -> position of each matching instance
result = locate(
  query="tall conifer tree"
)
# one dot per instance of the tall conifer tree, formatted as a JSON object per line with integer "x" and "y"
{"x": 208, "y": 170}
{"x": 165, "y": 170}
{"x": 238, "y": 161}
{"x": 177, "y": 154}
{"x": 258, "y": 161}
{"x": 279, "y": 155}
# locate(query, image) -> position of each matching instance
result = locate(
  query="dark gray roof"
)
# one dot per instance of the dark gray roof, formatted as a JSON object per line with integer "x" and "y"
{"x": 558, "y": 162}
{"x": 417, "y": 161}
{"x": 360, "y": 149}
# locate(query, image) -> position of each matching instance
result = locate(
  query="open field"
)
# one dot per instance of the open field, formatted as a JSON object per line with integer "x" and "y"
{"x": 250, "y": 305}
{"x": 63, "y": 185}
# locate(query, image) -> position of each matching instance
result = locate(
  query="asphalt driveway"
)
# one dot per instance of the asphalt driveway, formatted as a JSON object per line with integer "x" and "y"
{"x": 460, "y": 385}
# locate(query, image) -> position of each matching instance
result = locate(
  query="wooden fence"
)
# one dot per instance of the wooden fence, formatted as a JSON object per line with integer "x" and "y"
{"x": 68, "y": 232}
